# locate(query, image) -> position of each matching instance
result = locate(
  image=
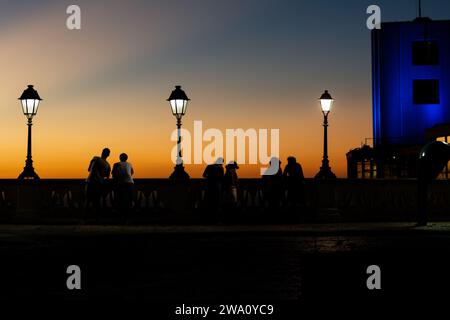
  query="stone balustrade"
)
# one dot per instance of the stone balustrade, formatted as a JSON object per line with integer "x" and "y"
{"x": 162, "y": 200}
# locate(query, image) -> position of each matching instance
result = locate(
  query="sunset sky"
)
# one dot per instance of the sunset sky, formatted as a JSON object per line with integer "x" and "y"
{"x": 244, "y": 64}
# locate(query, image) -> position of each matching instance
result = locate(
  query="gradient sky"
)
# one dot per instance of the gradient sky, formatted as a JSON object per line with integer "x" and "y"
{"x": 244, "y": 63}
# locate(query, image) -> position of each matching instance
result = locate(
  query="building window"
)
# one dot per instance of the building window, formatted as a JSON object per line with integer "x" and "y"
{"x": 389, "y": 171}
{"x": 359, "y": 169}
{"x": 445, "y": 174}
{"x": 367, "y": 170}
{"x": 425, "y": 53}
{"x": 426, "y": 92}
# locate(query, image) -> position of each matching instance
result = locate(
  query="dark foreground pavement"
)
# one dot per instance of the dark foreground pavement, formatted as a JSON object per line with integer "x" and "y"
{"x": 294, "y": 268}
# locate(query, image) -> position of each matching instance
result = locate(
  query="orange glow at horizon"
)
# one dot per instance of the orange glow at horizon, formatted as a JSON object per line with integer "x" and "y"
{"x": 64, "y": 142}
{"x": 101, "y": 87}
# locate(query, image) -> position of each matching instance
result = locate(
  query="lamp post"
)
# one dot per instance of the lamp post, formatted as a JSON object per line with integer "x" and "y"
{"x": 326, "y": 102}
{"x": 30, "y": 103}
{"x": 178, "y": 103}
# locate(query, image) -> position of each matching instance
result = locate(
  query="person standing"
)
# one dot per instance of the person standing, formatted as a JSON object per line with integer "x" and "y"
{"x": 231, "y": 184}
{"x": 214, "y": 174}
{"x": 99, "y": 171}
{"x": 122, "y": 173}
{"x": 273, "y": 184}
{"x": 294, "y": 178}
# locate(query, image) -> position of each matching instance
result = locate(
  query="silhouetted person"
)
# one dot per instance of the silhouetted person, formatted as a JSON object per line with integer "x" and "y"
{"x": 293, "y": 176}
{"x": 99, "y": 171}
{"x": 122, "y": 173}
{"x": 214, "y": 174}
{"x": 231, "y": 184}
{"x": 273, "y": 183}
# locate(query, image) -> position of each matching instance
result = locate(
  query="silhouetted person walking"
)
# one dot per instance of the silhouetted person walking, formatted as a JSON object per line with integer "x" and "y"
{"x": 231, "y": 185}
{"x": 214, "y": 174}
{"x": 293, "y": 176}
{"x": 273, "y": 184}
{"x": 122, "y": 173}
{"x": 99, "y": 171}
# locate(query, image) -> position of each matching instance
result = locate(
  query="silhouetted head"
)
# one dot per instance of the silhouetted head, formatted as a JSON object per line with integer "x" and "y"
{"x": 274, "y": 167}
{"x": 123, "y": 157}
{"x": 219, "y": 161}
{"x": 274, "y": 161}
{"x": 232, "y": 165}
{"x": 292, "y": 160}
{"x": 105, "y": 153}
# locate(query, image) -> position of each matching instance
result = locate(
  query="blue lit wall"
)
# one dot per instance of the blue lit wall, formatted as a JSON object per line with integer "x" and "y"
{"x": 396, "y": 119}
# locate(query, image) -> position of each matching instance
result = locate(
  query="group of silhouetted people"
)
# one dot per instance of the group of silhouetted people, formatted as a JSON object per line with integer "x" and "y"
{"x": 279, "y": 187}
{"x": 222, "y": 184}
{"x": 97, "y": 185}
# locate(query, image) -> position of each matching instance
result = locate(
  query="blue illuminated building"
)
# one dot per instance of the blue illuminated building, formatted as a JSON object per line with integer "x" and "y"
{"x": 411, "y": 97}
{"x": 411, "y": 80}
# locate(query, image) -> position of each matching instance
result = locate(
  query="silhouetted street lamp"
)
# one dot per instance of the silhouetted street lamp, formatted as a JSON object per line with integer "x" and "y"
{"x": 326, "y": 102}
{"x": 30, "y": 103}
{"x": 178, "y": 103}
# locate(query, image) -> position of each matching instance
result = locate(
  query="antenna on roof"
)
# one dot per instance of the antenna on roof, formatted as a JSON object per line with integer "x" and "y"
{"x": 420, "y": 8}
{"x": 420, "y": 18}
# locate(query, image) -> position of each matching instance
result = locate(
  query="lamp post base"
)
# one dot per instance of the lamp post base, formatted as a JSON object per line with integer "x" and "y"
{"x": 28, "y": 173}
{"x": 325, "y": 174}
{"x": 179, "y": 173}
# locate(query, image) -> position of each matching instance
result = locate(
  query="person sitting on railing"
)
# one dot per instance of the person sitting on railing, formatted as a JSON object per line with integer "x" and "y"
{"x": 122, "y": 173}
{"x": 99, "y": 171}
